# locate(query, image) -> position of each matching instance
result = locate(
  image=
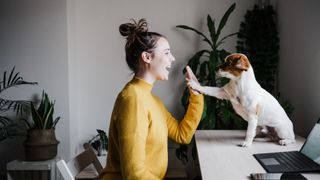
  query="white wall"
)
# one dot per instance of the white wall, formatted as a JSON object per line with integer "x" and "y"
{"x": 299, "y": 28}
{"x": 33, "y": 37}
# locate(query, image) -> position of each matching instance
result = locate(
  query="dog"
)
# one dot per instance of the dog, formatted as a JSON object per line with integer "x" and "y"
{"x": 253, "y": 103}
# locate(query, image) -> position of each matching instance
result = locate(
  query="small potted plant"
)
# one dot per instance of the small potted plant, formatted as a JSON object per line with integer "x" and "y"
{"x": 41, "y": 143}
{"x": 100, "y": 142}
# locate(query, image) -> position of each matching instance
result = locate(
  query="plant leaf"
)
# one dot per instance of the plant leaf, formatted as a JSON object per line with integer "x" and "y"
{"x": 10, "y": 76}
{"x": 4, "y": 79}
{"x": 55, "y": 122}
{"x": 185, "y": 98}
{"x": 18, "y": 106}
{"x": 203, "y": 71}
{"x": 224, "y": 19}
{"x": 212, "y": 28}
{"x": 194, "y": 61}
{"x": 4, "y": 120}
{"x": 196, "y": 31}
{"x": 47, "y": 117}
{"x": 36, "y": 117}
{"x": 181, "y": 153}
{"x": 16, "y": 81}
{"x": 222, "y": 40}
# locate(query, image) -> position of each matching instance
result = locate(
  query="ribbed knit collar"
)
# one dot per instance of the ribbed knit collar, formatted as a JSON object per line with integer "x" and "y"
{"x": 142, "y": 83}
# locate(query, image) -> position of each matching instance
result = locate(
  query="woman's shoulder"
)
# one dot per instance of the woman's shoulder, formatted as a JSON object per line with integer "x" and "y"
{"x": 128, "y": 92}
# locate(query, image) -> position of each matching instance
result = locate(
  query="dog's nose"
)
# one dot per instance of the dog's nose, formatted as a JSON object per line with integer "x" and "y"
{"x": 217, "y": 68}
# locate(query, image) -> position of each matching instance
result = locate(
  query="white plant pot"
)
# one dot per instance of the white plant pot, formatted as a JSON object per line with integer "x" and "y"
{"x": 103, "y": 160}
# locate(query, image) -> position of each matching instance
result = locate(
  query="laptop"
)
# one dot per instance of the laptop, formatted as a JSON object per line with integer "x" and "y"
{"x": 305, "y": 160}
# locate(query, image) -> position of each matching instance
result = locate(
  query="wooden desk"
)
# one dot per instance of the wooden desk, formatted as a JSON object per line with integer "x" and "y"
{"x": 220, "y": 157}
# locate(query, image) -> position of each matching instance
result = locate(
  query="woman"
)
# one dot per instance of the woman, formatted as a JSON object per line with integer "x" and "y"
{"x": 140, "y": 124}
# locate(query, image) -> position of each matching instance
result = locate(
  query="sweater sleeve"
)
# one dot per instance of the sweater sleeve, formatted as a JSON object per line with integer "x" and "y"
{"x": 182, "y": 131}
{"x": 132, "y": 126}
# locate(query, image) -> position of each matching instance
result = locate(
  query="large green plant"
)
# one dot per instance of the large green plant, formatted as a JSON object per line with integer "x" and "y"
{"x": 217, "y": 114}
{"x": 258, "y": 39}
{"x": 42, "y": 117}
{"x": 8, "y": 127}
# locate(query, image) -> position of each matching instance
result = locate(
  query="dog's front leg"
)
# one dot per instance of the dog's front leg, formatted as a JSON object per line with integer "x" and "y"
{"x": 210, "y": 91}
{"x": 251, "y": 131}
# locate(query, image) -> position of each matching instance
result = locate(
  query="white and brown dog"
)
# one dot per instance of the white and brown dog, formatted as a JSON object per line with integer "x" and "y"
{"x": 250, "y": 100}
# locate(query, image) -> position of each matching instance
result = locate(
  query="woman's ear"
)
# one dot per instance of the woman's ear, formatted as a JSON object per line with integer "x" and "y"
{"x": 146, "y": 57}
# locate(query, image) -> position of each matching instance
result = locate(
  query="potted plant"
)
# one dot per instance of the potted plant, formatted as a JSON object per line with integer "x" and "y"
{"x": 100, "y": 142}
{"x": 41, "y": 143}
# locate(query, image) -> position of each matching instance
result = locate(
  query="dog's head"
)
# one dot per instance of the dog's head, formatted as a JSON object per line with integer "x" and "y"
{"x": 233, "y": 67}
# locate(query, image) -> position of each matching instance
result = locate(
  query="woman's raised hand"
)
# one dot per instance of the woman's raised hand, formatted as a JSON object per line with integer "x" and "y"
{"x": 191, "y": 78}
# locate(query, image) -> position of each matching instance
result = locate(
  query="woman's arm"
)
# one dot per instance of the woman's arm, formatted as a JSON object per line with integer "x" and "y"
{"x": 183, "y": 131}
{"x": 132, "y": 127}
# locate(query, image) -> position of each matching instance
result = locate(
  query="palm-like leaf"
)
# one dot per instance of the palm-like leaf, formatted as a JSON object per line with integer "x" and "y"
{"x": 13, "y": 80}
{"x": 196, "y": 31}
{"x": 18, "y": 106}
{"x": 8, "y": 127}
{"x": 4, "y": 121}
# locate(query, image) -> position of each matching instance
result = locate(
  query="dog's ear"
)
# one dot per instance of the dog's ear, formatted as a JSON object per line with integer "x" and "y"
{"x": 242, "y": 63}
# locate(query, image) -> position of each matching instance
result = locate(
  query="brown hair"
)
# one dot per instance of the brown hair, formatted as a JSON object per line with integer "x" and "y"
{"x": 139, "y": 40}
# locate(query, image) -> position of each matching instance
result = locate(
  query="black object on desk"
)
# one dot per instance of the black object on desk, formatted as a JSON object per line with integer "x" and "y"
{"x": 277, "y": 176}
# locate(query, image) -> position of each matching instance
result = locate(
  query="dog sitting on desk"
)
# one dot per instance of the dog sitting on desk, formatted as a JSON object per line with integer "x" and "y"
{"x": 250, "y": 100}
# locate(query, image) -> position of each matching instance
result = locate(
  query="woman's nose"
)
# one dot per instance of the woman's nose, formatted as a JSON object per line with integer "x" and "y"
{"x": 172, "y": 58}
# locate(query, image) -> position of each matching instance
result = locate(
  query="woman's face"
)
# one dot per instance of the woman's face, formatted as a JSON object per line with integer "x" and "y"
{"x": 161, "y": 60}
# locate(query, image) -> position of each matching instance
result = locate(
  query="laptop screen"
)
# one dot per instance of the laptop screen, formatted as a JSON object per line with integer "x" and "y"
{"x": 311, "y": 148}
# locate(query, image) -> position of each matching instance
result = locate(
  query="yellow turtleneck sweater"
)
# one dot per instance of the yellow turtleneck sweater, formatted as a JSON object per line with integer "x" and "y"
{"x": 139, "y": 129}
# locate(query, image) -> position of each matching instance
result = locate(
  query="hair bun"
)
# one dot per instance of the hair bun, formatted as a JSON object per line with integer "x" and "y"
{"x": 132, "y": 29}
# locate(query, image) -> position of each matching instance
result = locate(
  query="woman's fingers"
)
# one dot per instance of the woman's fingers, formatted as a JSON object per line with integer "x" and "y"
{"x": 190, "y": 75}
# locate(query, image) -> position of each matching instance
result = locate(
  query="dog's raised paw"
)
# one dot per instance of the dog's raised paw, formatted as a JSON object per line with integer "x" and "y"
{"x": 193, "y": 85}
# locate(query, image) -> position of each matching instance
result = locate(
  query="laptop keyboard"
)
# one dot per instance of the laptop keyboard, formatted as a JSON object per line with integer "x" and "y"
{"x": 294, "y": 161}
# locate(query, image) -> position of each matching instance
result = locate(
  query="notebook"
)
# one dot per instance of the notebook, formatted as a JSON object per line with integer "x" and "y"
{"x": 305, "y": 160}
